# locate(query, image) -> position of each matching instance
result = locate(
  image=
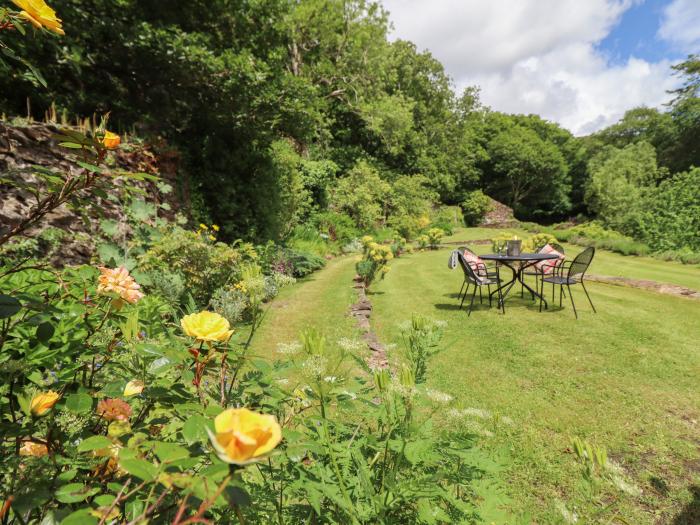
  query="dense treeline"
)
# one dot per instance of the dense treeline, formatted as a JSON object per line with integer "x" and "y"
{"x": 286, "y": 110}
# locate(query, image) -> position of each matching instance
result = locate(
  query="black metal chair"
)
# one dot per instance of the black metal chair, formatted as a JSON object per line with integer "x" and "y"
{"x": 534, "y": 270}
{"x": 482, "y": 270}
{"x": 471, "y": 277}
{"x": 575, "y": 271}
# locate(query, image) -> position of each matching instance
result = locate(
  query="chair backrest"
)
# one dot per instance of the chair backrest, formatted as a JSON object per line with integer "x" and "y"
{"x": 558, "y": 247}
{"x": 581, "y": 263}
{"x": 469, "y": 272}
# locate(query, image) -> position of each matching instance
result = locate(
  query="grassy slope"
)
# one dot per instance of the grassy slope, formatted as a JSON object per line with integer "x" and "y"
{"x": 625, "y": 378}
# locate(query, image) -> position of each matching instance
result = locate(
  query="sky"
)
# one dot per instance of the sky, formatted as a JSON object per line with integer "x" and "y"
{"x": 581, "y": 63}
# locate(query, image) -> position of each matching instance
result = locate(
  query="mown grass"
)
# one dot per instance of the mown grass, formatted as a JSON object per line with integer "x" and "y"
{"x": 626, "y": 378}
{"x": 321, "y": 301}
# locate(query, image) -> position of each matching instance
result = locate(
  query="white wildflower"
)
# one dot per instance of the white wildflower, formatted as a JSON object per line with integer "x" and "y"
{"x": 288, "y": 348}
{"x": 314, "y": 366}
{"x": 438, "y": 397}
{"x": 350, "y": 345}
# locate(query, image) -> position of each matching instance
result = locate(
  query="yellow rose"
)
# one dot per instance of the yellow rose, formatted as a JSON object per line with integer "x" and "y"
{"x": 206, "y": 326}
{"x": 111, "y": 140}
{"x": 243, "y": 436}
{"x": 133, "y": 388}
{"x": 37, "y": 13}
{"x": 43, "y": 402}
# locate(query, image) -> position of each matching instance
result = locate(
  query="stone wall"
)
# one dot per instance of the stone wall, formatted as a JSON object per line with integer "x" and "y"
{"x": 23, "y": 147}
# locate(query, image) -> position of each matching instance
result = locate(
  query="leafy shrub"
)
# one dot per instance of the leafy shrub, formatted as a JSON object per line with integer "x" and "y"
{"x": 475, "y": 206}
{"x": 435, "y": 235}
{"x": 374, "y": 263}
{"x": 337, "y": 226}
{"x": 447, "y": 218}
{"x": 205, "y": 265}
{"x": 398, "y": 246}
{"x": 303, "y": 263}
{"x": 405, "y": 225}
{"x": 113, "y": 409}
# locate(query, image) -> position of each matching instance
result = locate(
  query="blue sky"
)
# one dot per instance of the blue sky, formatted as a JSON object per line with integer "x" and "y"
{"x": 636, "y": 34}
{"x": 581, "y": 63}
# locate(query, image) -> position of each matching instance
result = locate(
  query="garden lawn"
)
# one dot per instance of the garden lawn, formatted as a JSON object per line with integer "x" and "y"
{"x": 625, "y": 379}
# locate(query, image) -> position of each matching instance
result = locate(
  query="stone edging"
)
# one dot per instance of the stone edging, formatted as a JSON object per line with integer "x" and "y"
{"x": 362, "y": 311}
{"x": 644, "y": 284}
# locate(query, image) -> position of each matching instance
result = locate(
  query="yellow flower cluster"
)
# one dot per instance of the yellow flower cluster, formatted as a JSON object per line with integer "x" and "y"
{"x": 206, "y": 230}
{"x": 379, "y": 253}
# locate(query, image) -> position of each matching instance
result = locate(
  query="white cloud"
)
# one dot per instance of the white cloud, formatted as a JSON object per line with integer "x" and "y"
{"x": 535, "y": 56}
{"x": 681, "y": 25}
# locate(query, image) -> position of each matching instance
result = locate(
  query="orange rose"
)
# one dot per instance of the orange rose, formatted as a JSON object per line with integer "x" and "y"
{"x": 111, "y": 140}
{"x": 120, "y": 282}
{"x": 243, "y": 436}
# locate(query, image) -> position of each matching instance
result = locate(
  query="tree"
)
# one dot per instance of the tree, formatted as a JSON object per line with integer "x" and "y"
{"x": 527, "y": 173}
{"x": 617, "y": 184}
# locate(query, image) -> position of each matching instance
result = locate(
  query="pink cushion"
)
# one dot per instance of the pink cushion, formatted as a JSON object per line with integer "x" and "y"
{"x": 549, "y": 265}
{"x": 475, "y": 262}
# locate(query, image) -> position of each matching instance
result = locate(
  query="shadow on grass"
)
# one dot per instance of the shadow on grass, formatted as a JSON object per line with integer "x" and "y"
{"x": 691, "y": 513}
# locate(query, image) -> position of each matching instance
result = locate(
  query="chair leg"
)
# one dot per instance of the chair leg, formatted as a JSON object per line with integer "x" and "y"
{"x": 471, "y": 303}
{"x": 481, "y": 297}
{"x": 488, "y": 288}
{"x": 522, "y": 288}
{"x": 464, "y": 296}
{"x": 589, "y": 297}
{"x": 572, "y": 301}
{"x": 541, "y": 293}
{"x": 461, "y": 289}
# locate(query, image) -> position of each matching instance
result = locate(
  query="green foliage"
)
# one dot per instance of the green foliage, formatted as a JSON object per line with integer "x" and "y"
{"x": 532, "y": 243}
{"x": 475, "y": 206}
{"x": 202, "y": 264}
{"x": 447, "y": 218}
{"x": 363, "y": 195}
{"x": 616, "y": 186}
{"x": 337, "y": 226}
{"x": 670, "y": 218}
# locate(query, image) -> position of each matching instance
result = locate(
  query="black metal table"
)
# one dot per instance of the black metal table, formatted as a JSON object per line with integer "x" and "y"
{"x": 518, "y": 264}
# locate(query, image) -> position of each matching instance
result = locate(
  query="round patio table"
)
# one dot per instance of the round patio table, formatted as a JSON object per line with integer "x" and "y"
{"x": 518, "y": 264}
